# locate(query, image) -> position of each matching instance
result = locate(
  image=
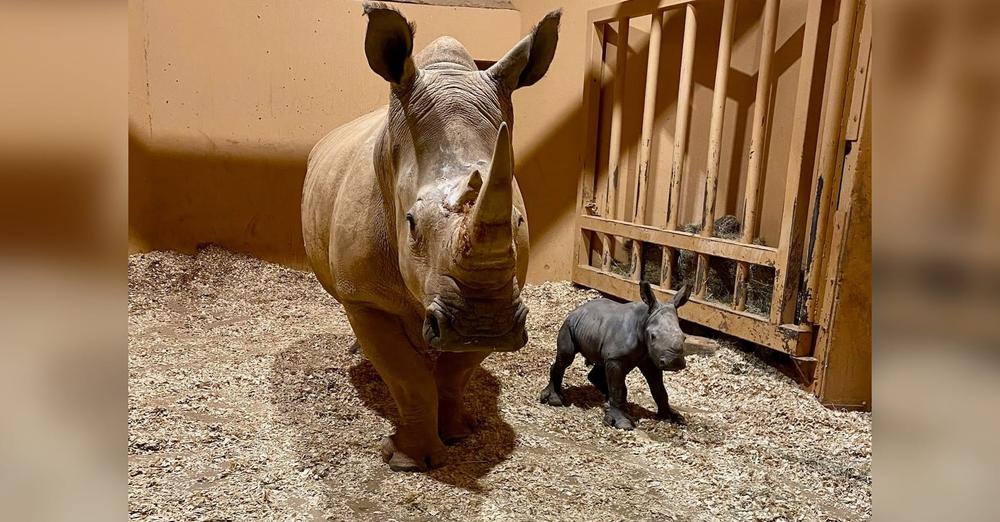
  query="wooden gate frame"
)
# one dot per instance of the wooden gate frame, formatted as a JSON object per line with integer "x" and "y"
{"x": 780, "y": 329}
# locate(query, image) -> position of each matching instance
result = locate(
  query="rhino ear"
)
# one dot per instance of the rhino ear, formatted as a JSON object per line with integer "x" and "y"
{"x": 646, "y": 292}
{"x": 681, "y": 296}
{"x": 389, "y": 43}
{"x": 529, "y": 60}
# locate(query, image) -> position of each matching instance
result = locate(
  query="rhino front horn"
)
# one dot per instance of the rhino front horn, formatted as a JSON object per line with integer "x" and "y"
{"x": 490, "y": 230}
{"x": 493, "y": 206}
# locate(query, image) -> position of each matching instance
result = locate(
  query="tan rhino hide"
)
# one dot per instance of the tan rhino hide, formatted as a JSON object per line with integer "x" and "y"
{"x": 413, "y": 220}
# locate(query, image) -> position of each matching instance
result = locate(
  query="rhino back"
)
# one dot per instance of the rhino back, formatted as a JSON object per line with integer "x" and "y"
{"x": 603, "y": 329}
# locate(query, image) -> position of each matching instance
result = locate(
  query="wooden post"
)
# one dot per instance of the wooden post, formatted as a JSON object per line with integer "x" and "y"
{"x": 615, "y": 148}
{"x": 715, "y": 137}
{"x": 831, "y": 149}
{"x": 592, "y": 105}
{"x": 681, "y": 126}
{"x": 843, "y": 340}
{"x": 787, "y": 268}
{"x": 646, "y": 140}
{"x": 755, "y": 168}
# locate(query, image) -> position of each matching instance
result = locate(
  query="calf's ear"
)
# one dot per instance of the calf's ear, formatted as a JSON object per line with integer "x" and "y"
{"x": 529, "y": 60}
{"x": 389, "y": 43}
{"x": 681, "y": 296}
{"x": 646, "y": 292}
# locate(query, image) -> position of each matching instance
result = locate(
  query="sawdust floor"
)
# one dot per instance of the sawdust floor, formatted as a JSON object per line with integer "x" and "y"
{"x": 247, "y": 403}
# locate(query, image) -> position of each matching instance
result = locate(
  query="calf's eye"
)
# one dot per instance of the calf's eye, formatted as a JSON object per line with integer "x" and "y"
{"x": 410, "y": 220}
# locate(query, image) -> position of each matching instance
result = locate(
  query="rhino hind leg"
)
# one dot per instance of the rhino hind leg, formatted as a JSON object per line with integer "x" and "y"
{"x": 416, "y": 445}
{"x": 565, "y": 353}
{"x": 599, "y": 378}
{"x": 452, "y": 374}
{"x": 615, "y": 416}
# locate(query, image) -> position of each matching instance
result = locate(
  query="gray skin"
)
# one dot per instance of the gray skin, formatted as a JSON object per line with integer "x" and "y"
{"x": 616, "y": 338}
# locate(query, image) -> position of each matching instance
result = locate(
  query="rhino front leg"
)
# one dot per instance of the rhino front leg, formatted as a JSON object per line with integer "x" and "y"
{"x": 415, "y": 446}
{"x": 453, "y": 373}
{"x": 654, "y": 377}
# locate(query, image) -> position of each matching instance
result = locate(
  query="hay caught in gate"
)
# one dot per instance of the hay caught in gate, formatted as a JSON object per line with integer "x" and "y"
{"x": 721, "y": 276}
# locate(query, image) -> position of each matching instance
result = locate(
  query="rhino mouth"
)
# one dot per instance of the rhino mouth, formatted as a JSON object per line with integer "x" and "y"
{"x": 673, "y": 365}
{"x": 478, "y": 326}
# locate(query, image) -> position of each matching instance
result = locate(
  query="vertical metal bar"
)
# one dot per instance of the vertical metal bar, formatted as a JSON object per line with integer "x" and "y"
{"x": 715, "y": 137}
{"x": 761, "y": 115}
{"x": 646, "y": 139}
{"x": 681, "y": 126}
{"x": 592, "y": 106}
{"x": 831, "y": 147}
{"x": 787, "y": 267}
{"x": 615, "y": 149}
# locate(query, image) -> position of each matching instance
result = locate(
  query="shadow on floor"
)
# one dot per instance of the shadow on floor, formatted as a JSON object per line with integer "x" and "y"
{"x": 587, "y": 396}
{"x": 492, "y": 440}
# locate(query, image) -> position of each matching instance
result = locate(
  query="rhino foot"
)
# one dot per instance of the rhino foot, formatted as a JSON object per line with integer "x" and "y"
{"x": 672, "y": 415}
{"x": 551, "y": 397}
{"x": 411, "y": 460}
{"x": 618, "y": 419}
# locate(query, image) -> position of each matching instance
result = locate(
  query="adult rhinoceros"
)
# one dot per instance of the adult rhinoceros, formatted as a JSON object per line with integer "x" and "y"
{"x": 413, "y": 221}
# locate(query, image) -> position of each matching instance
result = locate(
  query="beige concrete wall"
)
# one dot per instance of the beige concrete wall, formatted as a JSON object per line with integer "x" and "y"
{"x": 227, "y": 97}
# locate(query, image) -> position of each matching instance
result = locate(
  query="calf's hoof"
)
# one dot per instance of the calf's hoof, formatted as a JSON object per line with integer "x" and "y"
{"x": 673, "y": 416}
{"x": 551, "y": 397}
{"x": 410, "y": 459}
{"x": 618, "y": 419}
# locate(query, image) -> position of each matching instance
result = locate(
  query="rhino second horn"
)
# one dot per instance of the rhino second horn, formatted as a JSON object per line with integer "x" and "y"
{"x": 466, "y": 192}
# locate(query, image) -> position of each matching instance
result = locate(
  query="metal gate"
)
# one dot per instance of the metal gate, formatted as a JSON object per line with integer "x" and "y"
{"x": 614, "y": 251}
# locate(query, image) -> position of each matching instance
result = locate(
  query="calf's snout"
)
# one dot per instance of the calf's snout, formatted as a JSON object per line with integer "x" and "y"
{"x": 672, "y": 364}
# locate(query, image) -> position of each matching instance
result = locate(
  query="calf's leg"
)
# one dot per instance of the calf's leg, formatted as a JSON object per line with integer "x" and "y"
{"x": 654, "y": 377}
{"x": 617, "y": 397}
{"x": 565, "y": 351}
{"x": 415, "y": 446}
{"x": 599, "y": 378}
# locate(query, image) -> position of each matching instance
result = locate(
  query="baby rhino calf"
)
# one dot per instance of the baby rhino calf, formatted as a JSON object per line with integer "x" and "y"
{"x": 616, "y": 338}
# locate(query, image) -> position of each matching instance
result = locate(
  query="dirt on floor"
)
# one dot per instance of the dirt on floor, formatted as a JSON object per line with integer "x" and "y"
{"x": 247, "y": 402}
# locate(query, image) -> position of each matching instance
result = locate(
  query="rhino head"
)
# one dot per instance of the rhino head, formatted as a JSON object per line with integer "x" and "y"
{"x": 445, "y": 163}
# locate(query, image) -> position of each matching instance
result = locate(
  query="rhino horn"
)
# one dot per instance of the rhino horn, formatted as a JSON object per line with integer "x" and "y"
{"x": 491, "y": 237}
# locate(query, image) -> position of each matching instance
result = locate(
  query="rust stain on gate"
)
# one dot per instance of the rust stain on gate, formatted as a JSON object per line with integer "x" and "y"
{"x": 605, "y": 235}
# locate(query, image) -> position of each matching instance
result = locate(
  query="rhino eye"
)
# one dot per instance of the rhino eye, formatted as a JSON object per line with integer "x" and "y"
{"x": 410, "y": 220}
{"x": 652, "y": 336}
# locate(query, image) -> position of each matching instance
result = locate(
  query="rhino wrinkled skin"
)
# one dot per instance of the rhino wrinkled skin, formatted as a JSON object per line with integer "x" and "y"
{"x": 412, "y": 219}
